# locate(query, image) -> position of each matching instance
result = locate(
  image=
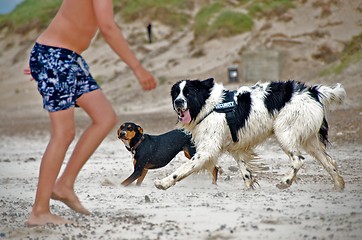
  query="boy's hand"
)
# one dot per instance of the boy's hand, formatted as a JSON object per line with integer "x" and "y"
{"x": 145, "y": 78}
{"x": 27, "y": 72}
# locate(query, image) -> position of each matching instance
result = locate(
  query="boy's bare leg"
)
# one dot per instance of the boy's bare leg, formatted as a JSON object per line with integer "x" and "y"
{"x": 103, "y": 120}
{"x": 62, "y": 134}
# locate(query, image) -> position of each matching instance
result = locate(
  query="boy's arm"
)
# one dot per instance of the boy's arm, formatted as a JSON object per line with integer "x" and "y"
{"x": 114, "y": 37}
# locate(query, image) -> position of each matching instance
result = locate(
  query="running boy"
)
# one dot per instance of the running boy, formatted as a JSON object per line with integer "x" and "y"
{"x": 64, "y": 82}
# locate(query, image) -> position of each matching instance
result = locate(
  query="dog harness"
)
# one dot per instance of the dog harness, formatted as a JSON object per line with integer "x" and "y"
{"x": 228, "y": 107}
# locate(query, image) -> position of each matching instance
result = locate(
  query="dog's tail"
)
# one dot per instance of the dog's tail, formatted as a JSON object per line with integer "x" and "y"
{"x": 331, "y": 95}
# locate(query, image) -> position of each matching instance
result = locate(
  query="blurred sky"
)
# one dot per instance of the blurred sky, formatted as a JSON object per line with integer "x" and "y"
{"x": 7, "y": 6}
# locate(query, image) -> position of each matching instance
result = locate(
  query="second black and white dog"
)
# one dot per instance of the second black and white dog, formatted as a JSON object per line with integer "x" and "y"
{"x": 236, "y": 122}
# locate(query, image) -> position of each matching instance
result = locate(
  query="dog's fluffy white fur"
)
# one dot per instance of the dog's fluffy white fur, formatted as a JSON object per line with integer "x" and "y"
{"x": 291, "y": 111}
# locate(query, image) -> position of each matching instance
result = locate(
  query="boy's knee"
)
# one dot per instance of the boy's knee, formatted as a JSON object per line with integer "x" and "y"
{"x": 114, "y": 120}
{"x": 64, "y": 137}
{"x": 110, "y": 121}
{"x": 69, "y": 135}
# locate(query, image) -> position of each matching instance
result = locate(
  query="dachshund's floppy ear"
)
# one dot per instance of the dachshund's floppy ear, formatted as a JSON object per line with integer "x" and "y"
{"x": 140, "y": 129}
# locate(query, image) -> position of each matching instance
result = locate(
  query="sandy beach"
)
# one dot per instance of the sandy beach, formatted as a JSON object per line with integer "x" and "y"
{"x": 194, "y": 208}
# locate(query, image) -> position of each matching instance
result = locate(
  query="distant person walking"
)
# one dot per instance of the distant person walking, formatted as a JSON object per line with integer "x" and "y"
{"x": 64, "y": 81}
{"x": 149, "y": 32}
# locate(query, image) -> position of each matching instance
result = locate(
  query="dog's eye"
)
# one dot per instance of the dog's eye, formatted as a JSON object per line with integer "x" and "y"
{"x": 175, "y": 94}
{"x": 175, "y": 91}
{"x": 122, "y": 126}
{"x": 129, "y": 128}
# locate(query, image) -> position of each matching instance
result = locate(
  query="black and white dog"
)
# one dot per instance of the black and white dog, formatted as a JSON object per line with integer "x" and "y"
{"x": 236, "y": 122}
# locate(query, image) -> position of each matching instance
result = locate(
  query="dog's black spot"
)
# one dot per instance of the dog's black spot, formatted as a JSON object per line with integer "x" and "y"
{"x": 288, "y": 181}
{"x": 247, "y": 176}
{"x": 323, "y": 132}
{"x": 242, "y": 111}
{"x": 175, "y": 90}
{"x": 199, "y": 92}
{"x": 279, "y": 93}
{"x": 174, "y": 176}
{"x": 313, "y": 92}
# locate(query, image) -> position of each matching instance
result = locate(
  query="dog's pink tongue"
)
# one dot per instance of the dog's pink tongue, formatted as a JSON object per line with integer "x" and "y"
{"x": 186, "y": 118}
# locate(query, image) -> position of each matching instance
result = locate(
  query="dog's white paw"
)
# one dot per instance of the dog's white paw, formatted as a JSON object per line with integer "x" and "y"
{"x": 160, "y": 185}
{"x": 251, "y": 183}
{"x": 282, "y": 185}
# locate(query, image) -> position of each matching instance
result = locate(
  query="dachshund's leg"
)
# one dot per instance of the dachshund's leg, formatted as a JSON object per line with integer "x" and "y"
{"x": 143, "y": 175}
{"x": 132, "y": 178}
{"x": 187, "y": 154}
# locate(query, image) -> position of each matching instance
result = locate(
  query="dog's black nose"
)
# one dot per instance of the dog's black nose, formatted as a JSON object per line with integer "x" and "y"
{"x": 179, "y": 102}
{"x": 122, "y": 134}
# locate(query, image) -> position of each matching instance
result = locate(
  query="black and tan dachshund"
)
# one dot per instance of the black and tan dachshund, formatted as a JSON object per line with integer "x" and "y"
{"x": 152, "y": 152}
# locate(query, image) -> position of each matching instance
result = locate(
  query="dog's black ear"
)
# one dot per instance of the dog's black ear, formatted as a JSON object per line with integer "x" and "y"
{"x": 208, "y": 83}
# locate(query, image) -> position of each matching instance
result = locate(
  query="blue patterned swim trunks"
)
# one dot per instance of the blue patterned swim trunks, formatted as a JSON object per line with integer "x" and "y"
{"x": 62, "y": 76}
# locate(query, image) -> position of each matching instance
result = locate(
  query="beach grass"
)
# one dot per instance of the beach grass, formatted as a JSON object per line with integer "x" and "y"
{"x": 30, "y": 14}
{"x": 219, "y": 20}
{"x": 169, "y": 12}
{"x": 352, "y": 53}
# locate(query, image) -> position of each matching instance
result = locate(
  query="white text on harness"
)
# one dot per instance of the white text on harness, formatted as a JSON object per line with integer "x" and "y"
{"x": 225, "y": 105}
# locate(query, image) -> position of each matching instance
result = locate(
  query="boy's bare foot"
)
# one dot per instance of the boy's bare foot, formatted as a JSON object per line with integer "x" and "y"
{"x": 72, "y": 202}
{"x": 45, "y": 218}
